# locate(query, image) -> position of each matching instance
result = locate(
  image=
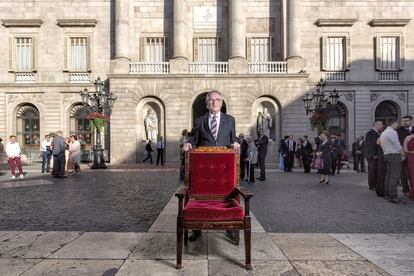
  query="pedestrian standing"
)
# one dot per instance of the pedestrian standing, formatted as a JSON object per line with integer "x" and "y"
{"x": 371, "y": 153}
{"x": 360, "y": 154}
{"x": 306, "y": 154}
{"x": 13, "y": 156}
{"x": 183, "y": 141}
{"x": 58, "y": 151}
{"x": 324, "y": 153}
{"x": 290, "y": 154}
{"x": 148, "y": 150}
{"x": 75, "y": 152}
{"x": 252, "y": 156}
{"x": 46, "y": 150}
{"x": 262, "y": 151}
{"x": 160, "y": 150}
{"x": 243, "y": 155}
{"x": 2, "y": 152}
{"x": 393, "y": 154}
{"x": 404, "y": 131}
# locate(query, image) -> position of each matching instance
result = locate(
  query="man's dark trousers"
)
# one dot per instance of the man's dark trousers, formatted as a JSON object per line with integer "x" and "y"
{"x": 372, "y": 173}
{"x": 306, "y": 163}
{"x": 46, "y": 156}
{"x": 392, "y": 174}
{"x": 160, "y": 155}
{"x": 290, "y": 159}
{"x": 262, "y": 161}
{"x": 59, "y": 162}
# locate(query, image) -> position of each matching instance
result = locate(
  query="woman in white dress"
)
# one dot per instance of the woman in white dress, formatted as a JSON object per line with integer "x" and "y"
{"x": 75, "y": 152}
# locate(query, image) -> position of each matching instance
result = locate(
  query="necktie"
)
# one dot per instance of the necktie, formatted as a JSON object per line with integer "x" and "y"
{"x": 214, "y": 126}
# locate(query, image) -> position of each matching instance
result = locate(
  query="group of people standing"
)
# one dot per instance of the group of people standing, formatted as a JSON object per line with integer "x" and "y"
{"x": 390, "y": 156}
{"x": 160, "y": 151}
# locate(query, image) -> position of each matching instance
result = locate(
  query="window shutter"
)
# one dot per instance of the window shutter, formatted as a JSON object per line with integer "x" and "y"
{"x": 195, "y": 49}
{"x": 11, "y": 54}
{"x": 347, "y": 50}
{"x": 88, "y": 53}
{"x": 249, "y": 48}
{"x": 34, "y": 54}
{"x": 378, "y": 65}
{"x": 142, "y": 49}
{"x": 66, "y": 42}
{"x": 401, "y": 59}
{"x": 324, "y": 57}
{"x": 167, "y": 49}
{"x": 219, "y": 50}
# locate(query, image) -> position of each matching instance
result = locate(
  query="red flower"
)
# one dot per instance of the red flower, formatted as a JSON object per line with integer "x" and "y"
{"x": 97, "y": 115}
{"x": 319, "y": 116}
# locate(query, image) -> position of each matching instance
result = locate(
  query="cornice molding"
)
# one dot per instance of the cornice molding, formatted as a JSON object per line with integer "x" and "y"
{"x": 21, "y": 23}
{"x": 390, "y": 22}
{"x": 77, "y": 22}
{"x": 336, "y": 22}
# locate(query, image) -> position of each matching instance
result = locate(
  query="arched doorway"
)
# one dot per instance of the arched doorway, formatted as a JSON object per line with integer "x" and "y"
{"x": 200, "y": 107}
{"x": 80, "y": 126}
{"x": 28, "y": 130}
{"x": 386, "y": 111}
{"x": 338, "y": 121}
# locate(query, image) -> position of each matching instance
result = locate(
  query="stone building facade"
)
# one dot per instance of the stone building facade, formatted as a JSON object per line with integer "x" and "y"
{"x": 164, "y": 55}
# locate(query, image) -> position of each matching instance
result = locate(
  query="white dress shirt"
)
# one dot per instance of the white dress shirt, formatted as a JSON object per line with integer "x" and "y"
{"x": 12, "y": 149}
{"x": 210, "y": 118}
{"x": 389, "y": 141}
{"x": 45, "y": 144}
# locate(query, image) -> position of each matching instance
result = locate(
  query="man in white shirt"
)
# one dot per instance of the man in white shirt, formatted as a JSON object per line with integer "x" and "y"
{"x": 13, "y": 156}
{"x": 393, "y": 153}
{"x": 46, "y": 153}
{"x": 160, "y": 150}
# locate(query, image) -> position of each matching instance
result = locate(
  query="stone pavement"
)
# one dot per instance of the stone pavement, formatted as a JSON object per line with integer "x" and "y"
{"x": 112, "y": 248}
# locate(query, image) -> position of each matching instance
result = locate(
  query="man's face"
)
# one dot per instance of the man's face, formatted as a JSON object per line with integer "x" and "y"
{"x": 394, "y": 125}
{"x": 406, "y": 122}
{"x": 47, "y": 138}
{"x": 261, "y": 132}
{"x": 214, "y": 103}
{"x": 290, "y": 137}
{"x": 379, "y": 125}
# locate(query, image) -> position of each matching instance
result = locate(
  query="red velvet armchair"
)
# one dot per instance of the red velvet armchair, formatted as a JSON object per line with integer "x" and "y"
{"x": 210, "y": 197}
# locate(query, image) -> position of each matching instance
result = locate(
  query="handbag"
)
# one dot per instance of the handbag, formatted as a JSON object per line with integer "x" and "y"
{"x": 318, "y": 163}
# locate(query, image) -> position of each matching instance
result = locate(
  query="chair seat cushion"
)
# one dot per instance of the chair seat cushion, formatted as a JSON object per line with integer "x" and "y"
{"x": 213, "y": 210}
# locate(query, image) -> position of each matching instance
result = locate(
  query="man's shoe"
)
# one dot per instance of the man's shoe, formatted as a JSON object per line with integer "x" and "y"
{"x": 194, "y": 235}
{"x": 231, "y": 234}
{"x": 262, "y": 179}
{"x": 13, "y": 177}
{"x": 21, "y": 176}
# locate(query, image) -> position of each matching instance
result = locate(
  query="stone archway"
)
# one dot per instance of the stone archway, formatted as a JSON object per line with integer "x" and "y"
{"x": 27, "y": 125}
{"x": 199, "y": 107}
{"x": 150, "y": 124}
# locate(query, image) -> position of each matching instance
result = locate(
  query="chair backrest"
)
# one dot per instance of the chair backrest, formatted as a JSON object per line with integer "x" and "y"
{"x": 213, "y": 171}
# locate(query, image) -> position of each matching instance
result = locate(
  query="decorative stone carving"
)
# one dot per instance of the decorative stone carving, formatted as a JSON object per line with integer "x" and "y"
{"x": 151, "y": 124}
{"x": 68, "y": 98}
{"x": 349, "y": 96}
{"x": 402, "y": 96}
{"x": 375, "y": 96}
{"x": 207, "y": 17}
{"x": 26, "y": 97}
{"x": 12, "y": 98}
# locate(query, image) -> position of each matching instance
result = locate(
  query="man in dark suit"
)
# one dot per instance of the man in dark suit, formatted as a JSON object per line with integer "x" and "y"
{"x": 213, "y": 129}
{"x": 290, "y": 154}
{"x": 337, "y": 149}
{"x": 371, "y": 153}
{"x": 403, "y": 131}
{"x": 284, "y": 150}
{"x": 360, "y": 154}
{"x": 306, "y": 154}
{"x": 58, "y": 151}
{"x": 261, "y": 144}
{"x": 243, "y": 155}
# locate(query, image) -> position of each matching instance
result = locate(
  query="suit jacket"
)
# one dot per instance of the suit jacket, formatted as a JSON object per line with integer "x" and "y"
{"x": 306, "y": 150}
{"x": 287, "y": 146}
{"x": 403, "y": 133}
{"x": 262, "y": 145}
{"x": 360, "y": 148}
{"x": 371, "y": 143}
{"x": 59, "y": 145}
{"x": 226, "y": 133}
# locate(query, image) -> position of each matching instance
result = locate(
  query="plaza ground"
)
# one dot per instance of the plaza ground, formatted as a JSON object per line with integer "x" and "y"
{"x": 121, "y": 221}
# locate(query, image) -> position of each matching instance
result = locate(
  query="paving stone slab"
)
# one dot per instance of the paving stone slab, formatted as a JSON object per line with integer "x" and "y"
{"x": 234, "y": 268}
{"x": 263, "y": 248}
{"x": 163, "y": 267}
{"x": 329, "y": 268}
{"x": 316, "y": 247}
{"x": 33, "y": 244}
{"x": 96, "y": 245}
{"x": 164, "y": 223}
{"x": 14, "y": 267}
{"x": 408, "y": 239}
{"x": 162, "y": 246}
{"x": 75, "y": 268}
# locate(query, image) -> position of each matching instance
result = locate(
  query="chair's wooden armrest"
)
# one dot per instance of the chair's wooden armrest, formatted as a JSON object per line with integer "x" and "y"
{"x": 182, "y": 191}
{"x": 245, "y": 194}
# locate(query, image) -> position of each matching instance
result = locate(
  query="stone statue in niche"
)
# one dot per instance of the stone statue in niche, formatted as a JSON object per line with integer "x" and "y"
{"x": 151, "y": 125}
{"x": 264, "y": 121}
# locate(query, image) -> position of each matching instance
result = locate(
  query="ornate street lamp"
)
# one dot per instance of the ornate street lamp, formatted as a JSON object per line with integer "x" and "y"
{"x": 319, "y": 101}
{"x": 101, "y": 102}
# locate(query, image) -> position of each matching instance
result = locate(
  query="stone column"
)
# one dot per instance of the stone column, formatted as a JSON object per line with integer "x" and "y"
{"x": 237, "y": 59}
{"x": 121, "y": 62}
{"x": 296, "y": 63}
{"x": 179, "y": 63}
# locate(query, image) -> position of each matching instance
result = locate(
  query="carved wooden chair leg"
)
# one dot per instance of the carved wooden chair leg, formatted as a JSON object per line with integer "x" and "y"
{"x": 185, "y": 237}
{"x": 179, "y": 248}
{"x": 247, "y": 248}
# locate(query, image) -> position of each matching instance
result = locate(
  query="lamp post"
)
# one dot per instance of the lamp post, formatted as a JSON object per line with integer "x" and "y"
{"x": 319, "y": 100}
{"x": 102, "y": 102}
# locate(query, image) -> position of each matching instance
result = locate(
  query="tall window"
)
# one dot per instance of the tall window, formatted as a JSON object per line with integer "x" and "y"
{"x": 388, "y": 53}
{"x": 156, "y": 49}
{"x": 207, "y": 49}
{"x": 335, "y": 53}
{"x": 78, "y": 54}
{"x": 260, "y": 49}
{"x": 27, "y": 126}
{"x": 24, "y": 54}
{"x": 337, "y": 121}
{"x": 80, "y": 125}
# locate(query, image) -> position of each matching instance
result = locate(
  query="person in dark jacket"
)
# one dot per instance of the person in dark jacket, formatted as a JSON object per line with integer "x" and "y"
{"x": 324, "y": 152}
{"x": 262, "y": 143}
{"x": 371, "y": 152}
{"x": 403, "y": 131}
{"x": 306, "y": 154}
{"x": 148, "y": 149}
{"x": 243, "y": 155}
{"x": 360, "y": 154}
{"x": 337, "y": 149}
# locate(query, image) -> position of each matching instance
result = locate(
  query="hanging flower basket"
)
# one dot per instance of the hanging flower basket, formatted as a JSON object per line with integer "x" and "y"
{"x": 99, "y": 121}
{"x": 320, "y": 120}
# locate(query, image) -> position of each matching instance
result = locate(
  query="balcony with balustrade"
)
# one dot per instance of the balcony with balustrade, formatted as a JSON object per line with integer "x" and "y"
{"x": 208, "y": 68}
{"x": 335, "y": 76}
{"x": 271, "y": 67}
{"x": 388, "y": 76}
{"x": 79, "y": 77}
{"x": 149, "y": 68}
{"x": 25, "y": 77}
